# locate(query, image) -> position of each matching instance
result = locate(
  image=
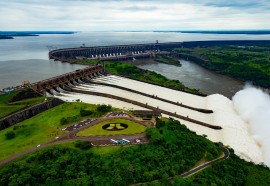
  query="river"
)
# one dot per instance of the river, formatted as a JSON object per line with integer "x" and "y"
{"x": 194, "y": 76}
{"x": 26, "y": 58}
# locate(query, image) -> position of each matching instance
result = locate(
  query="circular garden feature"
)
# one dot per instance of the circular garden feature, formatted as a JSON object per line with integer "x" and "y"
{"x": 115, "y": 126}
{"x": 112, "y": 127}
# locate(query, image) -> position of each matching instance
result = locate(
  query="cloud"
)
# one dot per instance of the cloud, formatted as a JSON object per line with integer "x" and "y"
{"x": 139, "y": 8}
{"x": 133, "y": 15}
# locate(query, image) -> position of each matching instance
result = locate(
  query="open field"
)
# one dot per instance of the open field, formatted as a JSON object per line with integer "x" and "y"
{"x": 41, "y": 128}
{"x": 97, "y": 130}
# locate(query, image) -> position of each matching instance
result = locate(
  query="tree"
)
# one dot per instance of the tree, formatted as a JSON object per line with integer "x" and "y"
{"x": 10, "y": 134}
{"x": 104, "y": 108}
{"x": 84, "y": 145}
{"x": 84, "y": 112}
{"x": 63, "y": 121}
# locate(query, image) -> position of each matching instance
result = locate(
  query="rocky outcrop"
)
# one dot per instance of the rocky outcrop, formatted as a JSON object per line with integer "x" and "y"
{"x": 29, "y": 112}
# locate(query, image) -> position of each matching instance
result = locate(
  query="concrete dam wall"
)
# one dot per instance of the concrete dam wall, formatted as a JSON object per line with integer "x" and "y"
{"x": 116, "y": 52}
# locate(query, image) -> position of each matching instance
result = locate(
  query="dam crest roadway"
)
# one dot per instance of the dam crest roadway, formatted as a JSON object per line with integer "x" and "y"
{"x": 114, "y": 53}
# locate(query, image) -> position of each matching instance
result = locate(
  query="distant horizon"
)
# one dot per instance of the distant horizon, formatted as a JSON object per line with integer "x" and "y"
{"x": 206, "y": 30}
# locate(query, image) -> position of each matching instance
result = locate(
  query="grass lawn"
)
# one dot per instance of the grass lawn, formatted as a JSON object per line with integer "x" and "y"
{"x": 41, "y": 128}
{"x": 97, "y": 130}
{"x": 7, "y": 107}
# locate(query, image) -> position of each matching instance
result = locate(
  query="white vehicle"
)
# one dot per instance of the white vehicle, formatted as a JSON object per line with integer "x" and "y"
{"x": 38, "y": 145}
{"x": 114, "y": 141}
{"x": 126, "y": 141}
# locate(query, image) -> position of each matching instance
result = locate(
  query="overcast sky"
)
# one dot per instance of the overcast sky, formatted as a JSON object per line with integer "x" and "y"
{"x": 118, "y": 15}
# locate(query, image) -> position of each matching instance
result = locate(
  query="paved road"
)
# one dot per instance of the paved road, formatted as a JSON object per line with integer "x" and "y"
{"x": 225, "y": 155}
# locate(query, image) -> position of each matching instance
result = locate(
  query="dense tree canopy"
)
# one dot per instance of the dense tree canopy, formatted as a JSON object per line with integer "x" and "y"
{"x": 249, "y": 63}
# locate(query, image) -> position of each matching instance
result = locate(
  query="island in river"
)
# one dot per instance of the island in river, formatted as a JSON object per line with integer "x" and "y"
{"x": 12, "y": 34}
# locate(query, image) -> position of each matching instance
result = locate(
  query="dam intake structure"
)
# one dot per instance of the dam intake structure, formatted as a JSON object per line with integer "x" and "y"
{"x": 115, "y": 53}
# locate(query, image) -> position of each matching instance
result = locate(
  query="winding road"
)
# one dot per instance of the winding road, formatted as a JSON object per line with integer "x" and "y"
{"x": 225, "y": 155}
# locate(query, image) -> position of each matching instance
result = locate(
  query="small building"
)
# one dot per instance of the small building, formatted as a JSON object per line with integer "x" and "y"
{"x": 146, "y": 113}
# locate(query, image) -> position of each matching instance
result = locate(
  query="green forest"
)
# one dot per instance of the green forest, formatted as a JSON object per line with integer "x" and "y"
{"x": 173, "y": 149}
{"x": 248, "y": 63}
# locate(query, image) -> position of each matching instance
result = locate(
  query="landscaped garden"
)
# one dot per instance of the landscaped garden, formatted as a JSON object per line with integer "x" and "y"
{"x": 113, "y": 127}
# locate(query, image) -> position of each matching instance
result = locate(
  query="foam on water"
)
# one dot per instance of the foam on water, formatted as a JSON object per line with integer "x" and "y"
{"x": 253, "y": 106}
{"x": 72, "y": 97}
{"x": 235, "y": 130}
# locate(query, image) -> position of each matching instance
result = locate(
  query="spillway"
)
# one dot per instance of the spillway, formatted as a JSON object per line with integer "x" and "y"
{"x": 235, "y": 131}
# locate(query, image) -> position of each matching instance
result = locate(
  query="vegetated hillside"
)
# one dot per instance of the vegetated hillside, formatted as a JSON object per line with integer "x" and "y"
{"x": 18, "y": 100}
{"x": 173, "y": 150}
{"x": 248, "y": 62}
{"x": 168, "y": 60}
{"x": 134, "y": 72}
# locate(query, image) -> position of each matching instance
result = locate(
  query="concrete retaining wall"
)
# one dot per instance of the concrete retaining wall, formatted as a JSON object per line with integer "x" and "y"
{"x": 29, "y": 112}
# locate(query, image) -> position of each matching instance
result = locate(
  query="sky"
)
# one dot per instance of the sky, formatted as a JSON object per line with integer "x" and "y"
{"x": 127, "y": 15}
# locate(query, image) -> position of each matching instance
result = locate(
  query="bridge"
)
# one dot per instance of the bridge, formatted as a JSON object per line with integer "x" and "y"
{"x": 116, "y": 52}
{"x": 65, "y": 79}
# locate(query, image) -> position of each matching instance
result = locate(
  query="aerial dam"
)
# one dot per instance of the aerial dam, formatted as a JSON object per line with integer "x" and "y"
{"x": 115, "y": 52}
{"x": 70, "y": 81}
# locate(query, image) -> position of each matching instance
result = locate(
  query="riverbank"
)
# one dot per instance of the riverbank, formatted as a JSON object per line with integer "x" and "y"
{"x": 249, "y": 62}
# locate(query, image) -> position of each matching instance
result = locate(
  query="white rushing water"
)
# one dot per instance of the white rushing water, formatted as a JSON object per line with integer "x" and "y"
{"x": 72, "y": 97}
{"x": 236, "y": 127}
{"x": 253, "y": 106}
